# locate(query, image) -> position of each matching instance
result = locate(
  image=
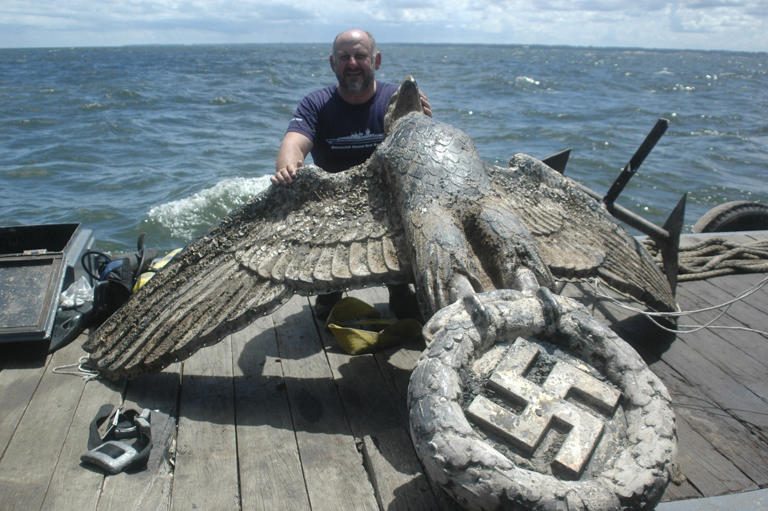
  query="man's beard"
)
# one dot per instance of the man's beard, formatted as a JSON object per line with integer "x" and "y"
{"x": 356, "y": 83}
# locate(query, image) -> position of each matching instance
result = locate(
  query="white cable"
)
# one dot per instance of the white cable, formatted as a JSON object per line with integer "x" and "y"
{"x": 691, "y": 328}
{"x": 83, "y": 370}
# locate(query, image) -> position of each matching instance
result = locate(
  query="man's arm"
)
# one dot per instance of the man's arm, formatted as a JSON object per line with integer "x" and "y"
{"x": 294, "y": 148}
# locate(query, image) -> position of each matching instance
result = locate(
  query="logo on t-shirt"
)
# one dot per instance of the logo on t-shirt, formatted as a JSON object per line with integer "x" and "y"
{"x": 355, "y": 141}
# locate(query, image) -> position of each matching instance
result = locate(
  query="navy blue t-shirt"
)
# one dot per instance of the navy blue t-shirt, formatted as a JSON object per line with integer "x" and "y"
{"x": 343, "y": 135}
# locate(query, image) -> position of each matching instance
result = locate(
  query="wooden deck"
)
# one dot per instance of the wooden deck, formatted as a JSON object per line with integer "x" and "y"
{"x": 277, "y": 417}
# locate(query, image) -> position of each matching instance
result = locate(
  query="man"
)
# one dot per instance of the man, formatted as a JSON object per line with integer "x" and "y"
{"x": 341, "y": 125}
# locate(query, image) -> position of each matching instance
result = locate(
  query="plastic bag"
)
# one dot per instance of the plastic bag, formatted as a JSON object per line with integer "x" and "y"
{"x": 77, "y": 294}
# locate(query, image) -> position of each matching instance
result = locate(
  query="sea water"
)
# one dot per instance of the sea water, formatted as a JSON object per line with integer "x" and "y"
{"x": 167, "y": 140}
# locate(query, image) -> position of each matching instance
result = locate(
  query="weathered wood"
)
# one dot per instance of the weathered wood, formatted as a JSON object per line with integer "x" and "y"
{"x": 754, "y": 306}
{"x": 206, "y": 474}
{"x": 271, "y": 477}
{"x": 682, "y": 489}
{"x": 73, "y": 485}
{"x": 31, "y": 456}
{"x": 149, "y": 488}
{"x": 332, "y": 464}
{"x": 740, "y": 314}
{"x": 700, "y": 359}
{"x": 731, "y": 438}
{"x": 729, "y": 394}
{"x": 733, "y": 237}
{"x": 18, "y": 381}
{"x": 708, "y": 471}
{"x": 738, "y": 353}
{"x": 396, "y": 364}
{"x": 376, "y": 420}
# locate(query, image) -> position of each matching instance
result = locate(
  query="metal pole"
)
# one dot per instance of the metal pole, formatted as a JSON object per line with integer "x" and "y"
{"x": 636, "y": 160}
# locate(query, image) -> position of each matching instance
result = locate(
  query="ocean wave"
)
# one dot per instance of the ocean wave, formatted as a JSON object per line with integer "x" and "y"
{"x": 191, "y": 216}
{"x": 527, "y": 80}
{"x": 223, "y": 100}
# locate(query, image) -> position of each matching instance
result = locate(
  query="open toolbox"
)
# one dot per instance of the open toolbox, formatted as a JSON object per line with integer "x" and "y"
{"x": 36, "y": 263}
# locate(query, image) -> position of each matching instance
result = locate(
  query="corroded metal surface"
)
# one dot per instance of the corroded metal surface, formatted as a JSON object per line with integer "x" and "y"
{"x": 424, "y": 208}
{"x": 524, "y": 401}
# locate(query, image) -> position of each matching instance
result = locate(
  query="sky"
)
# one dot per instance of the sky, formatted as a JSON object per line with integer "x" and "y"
{"x": 738, "y": 25}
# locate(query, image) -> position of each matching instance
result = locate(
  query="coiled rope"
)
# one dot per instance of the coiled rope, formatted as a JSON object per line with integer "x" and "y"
{"x": 714, "y": 257}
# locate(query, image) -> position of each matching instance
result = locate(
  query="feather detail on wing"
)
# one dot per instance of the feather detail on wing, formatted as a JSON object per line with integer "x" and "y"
{"x": 324, "y": 232}
{"x": 576, "y": 236}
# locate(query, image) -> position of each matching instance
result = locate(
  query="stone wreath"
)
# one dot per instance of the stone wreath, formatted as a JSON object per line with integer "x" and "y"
{"x": 588, "y": 426}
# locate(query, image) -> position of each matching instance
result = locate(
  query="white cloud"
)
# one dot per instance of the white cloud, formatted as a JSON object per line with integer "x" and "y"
{"x": 705, "y": 24}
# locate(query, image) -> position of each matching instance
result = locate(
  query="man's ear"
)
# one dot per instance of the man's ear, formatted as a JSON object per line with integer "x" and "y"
{"x": 332, "y": 62}
{"x": 377, "y": 61}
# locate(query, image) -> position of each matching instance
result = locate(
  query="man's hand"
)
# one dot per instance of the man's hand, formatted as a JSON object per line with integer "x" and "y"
{"x": 290, "y": 158}
{"x": 425, "y": 104}
{"x": 286, "y": 175}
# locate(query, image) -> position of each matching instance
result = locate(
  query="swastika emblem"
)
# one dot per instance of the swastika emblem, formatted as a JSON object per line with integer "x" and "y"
{"x": 545, "y": 407}
{"x": 524, "y": 400}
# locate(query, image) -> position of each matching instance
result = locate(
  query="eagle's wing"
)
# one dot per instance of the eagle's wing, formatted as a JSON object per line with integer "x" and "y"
{"x": 576, "y": 236}
{"x": 324, "y": 232}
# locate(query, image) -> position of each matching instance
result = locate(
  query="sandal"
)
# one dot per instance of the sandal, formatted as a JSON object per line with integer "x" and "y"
{"x": 112, "y": 430}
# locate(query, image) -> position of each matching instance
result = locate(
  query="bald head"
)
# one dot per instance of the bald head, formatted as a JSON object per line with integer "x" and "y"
{"x": 354, "y": 36}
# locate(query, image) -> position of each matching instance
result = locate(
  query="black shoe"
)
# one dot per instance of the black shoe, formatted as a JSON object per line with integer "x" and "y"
{"x": 403, "y": 303}
{"x": 324, "y": 304}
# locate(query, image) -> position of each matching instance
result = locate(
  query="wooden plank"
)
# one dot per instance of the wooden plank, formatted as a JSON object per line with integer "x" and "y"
{"x": 756, "y": 303}
{"x": 743, "y": 355}
{"x": 747, "y": 370}
{"x": 270, "y": 468}
{"x": 19, "y": 379}
{"x": 729, "y": 394}
{"x": 687, "y": 240}
{"x": 750, "y": 311}
{"x": 206, "y": 474}
{"x": 73, "y": 485}
{"x": 150, "y": 487}
{"x": 747, "y": 451}
{"x": 682, "y": 489}
{"x": 707, "y": 470}
{"x": 332, "y": 465}
{"x": 31, "y": 456}
{"x": 374, "y": 410}
{"x": 396, "y": 365}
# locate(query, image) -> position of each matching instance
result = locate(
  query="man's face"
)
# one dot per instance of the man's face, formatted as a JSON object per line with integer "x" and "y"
{"x": 354, "y": 65}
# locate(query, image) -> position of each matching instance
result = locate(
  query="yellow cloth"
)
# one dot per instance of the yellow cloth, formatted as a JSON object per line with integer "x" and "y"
{"x": 156, "y": 265}
{"x": 359, "y": 328}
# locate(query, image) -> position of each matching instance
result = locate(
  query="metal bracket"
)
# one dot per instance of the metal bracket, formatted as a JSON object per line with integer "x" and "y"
{"x": 667, "y": 238}
{"x": 558, "y": 161}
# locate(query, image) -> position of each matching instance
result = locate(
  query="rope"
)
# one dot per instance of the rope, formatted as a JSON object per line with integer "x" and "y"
{"x": 714, "y": 257}
{"x": 688, "y": 329}
{"x": 82, "y": 369}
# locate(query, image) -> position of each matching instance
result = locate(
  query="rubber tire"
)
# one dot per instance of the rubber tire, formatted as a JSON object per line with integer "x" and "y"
{"x": 734, "y": 216}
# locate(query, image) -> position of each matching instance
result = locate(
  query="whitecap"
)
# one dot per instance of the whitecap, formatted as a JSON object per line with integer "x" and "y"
{"x": 527, "y": 79}
{"x": 222, "y": 100}
{"x": 188, "y": 217}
